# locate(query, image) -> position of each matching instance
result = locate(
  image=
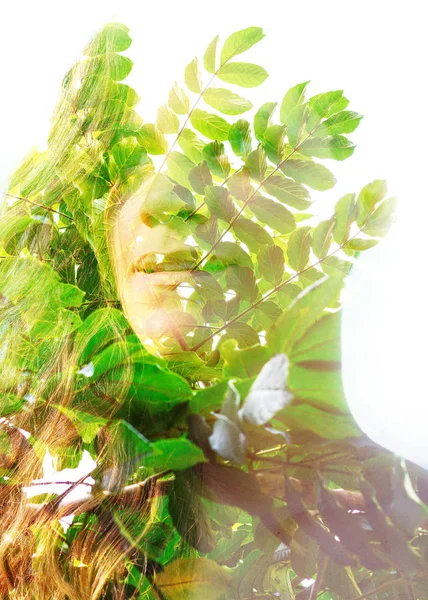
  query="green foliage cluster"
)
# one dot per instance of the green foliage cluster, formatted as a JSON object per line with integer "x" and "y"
{"x": 242, "y": 417}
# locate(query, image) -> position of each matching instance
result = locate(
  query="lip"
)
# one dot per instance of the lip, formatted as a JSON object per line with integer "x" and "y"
{"x": 145, "y": 285}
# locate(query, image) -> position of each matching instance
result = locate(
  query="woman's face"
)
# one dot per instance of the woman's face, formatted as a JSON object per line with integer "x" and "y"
{"x": 148, "y": 292}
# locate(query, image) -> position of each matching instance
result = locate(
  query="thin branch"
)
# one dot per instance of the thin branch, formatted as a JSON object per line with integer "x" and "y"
{"x": 203, "y": 202}
{"x": 194, "y": 211}
{"x": 33, "y": 483}
{"x": 52, "y": 210}
{"x": 189, "y": 114}
{"x": 198, "y": 99}
{"x": 273, "y": 291}
{"x": 381, "y": 588}
{"x": 247, "y": 201}
{"x": 316, "y": 587}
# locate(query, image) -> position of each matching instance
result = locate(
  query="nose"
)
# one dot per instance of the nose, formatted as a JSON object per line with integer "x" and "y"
{"x": 146, "y": 281}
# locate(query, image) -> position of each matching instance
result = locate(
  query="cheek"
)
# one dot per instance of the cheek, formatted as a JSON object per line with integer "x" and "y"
{"x": 151, "y": 303}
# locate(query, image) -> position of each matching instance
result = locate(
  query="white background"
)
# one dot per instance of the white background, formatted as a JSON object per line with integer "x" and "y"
{"x": 376, "y": 51}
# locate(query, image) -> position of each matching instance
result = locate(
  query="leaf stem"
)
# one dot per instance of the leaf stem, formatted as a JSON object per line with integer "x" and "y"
{"x": 316, "y": 587}
{"x": 274, "y": 290}
{"x": 247, "y": 201}
{"x": 381, "y": 588}
{"x": 37, "y": 204}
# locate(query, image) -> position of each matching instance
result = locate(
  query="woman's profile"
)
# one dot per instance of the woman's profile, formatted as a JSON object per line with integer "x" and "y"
{"x": 170, "y": 310}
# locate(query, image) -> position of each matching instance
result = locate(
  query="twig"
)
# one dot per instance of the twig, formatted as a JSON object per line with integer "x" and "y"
{"x": 380, "y": 588}
{"x": 274, "y": 290}
{"x": 316, "y": 586}
{"x": 58, "y": 212}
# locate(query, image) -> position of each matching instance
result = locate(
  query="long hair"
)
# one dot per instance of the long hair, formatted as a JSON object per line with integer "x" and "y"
{"x": 56, "y": 243}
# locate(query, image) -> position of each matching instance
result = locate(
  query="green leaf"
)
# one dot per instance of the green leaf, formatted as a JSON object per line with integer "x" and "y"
{"x": 379, "y": 222}
{"x": 368, "y": 198}
{"x": 304, "y": 417}
{"x": 267, "y": 313}
{"x": 150, "y": 538}
{"x": 244, "y": 334}
{"x": 178, "y": 101}
{"x": 294, "y": 97}
{"x": 207, "y": 285}
{"x": 10, "y": 404}
{"x": 345, "y": 121}
{"x": 322, "y": 237}
{"x": 215, "y": 156}
{"x": 262, "y": 119}
{"x": 240, "y": 138}
{"x": 220, "y": 203}
{"x": 324, "y": 105}
{"x": 192, "y": 77}
{"x": 212, "y": 126}
{"x": 191, "y": 145}
{"x": 99, "y": 329}
{"x": 128, "y": 154}
{"x": 242, "y": 281}
{"x": 336, "y": 147}
{"x": 113, "y": 37}
{"x": 345, "y": 213}
{"x": 226, "y": 101}
{"x": 298, "y": 248}
{"x": 210, "y": 56}
{"x": 70, "y": 295}
{"x": 230, "y": 253}
{"x": 256, "y": 163}
{"x": 152, "y": 139}
{"x": 273, "y": 143}
{"x": 167, "y": 120}
{"x": 303, "y": 313}
{"x": 239, "y": 42}
{"x": 242, "y": 363}
{"x": 269, "y": 393}
{"x": 335, "y": 266}
{"x": 359, "y": 245}
{"x": 152, "y": 390}
{"x": 288, "y": 191}
{"x": 176, "y": 454}
{"x": 341, "y": 580}
{"x": 296, "y": 124}
{"x": 271, "y": 264}
{"x": 87, "y": 425}
{"x": 239, "y": 184}
{"x": 320, "y": 388}
{"x": 245, "y": 75}
{"x": 193, "y": 578}
{"x": 310, "y": 173}
{"x": 208, "y": 399}
{"x": 320, "y": 343}
{"x": 200, "y": 177}
{"x": 273, "y": 214}
{"x": 205, "y": 229}
{"x": 186, "y": 196}
{"x": 304, "y": 554}
{"x": 160, "y": 197}
{"x": 115, "y": 66}
{"x": 179, "y": 167}
{"x": 251, "y": 234}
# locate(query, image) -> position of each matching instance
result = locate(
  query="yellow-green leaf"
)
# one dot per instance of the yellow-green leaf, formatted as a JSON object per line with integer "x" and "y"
{"x": 226, "y": 101}
{"x": 210, "y": 55}
{"x": 192, "y": 77}
{"x": 193, "y": 578}
{"x": 239, "y": 42}
{"x": 245, "y": 75}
